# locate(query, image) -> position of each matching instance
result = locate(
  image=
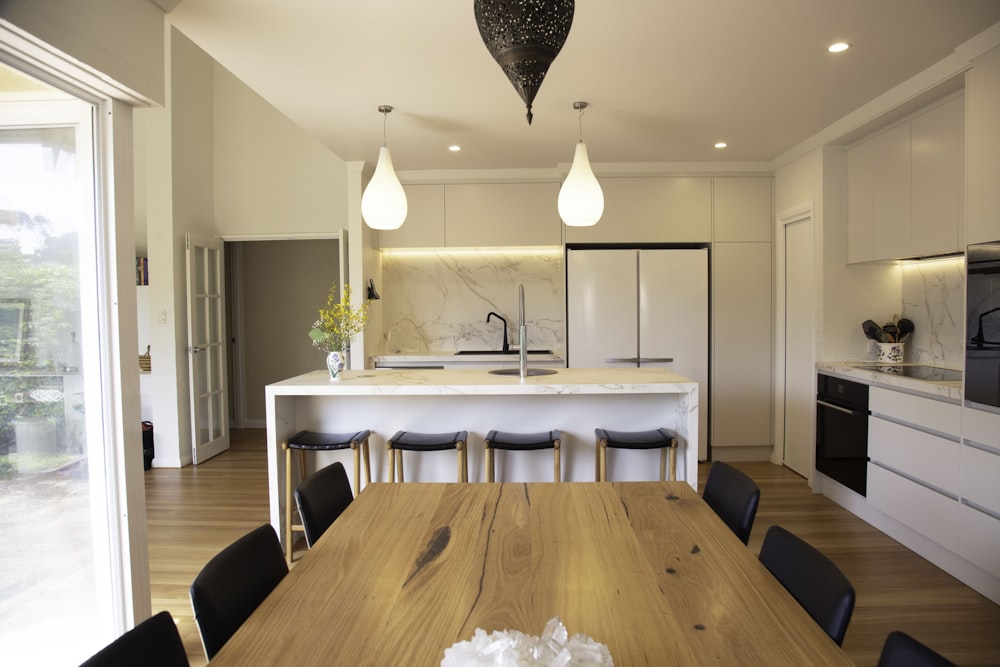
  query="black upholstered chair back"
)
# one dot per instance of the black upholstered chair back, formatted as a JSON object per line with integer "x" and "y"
{"x": 231, "y": 586}
{"x": 153, "y": 643}
{"x": 734, "y": 497}
{"x": 321, "y": 498}
{"x": 812, "y": 579}
{"x": 902, "y": 650}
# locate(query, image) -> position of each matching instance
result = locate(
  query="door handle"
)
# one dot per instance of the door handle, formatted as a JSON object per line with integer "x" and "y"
{"x": 621, "y": 360}
{"x": 195, "y": 349}
{"x": 838, "y": 408}
{"x": 660, "y": 360}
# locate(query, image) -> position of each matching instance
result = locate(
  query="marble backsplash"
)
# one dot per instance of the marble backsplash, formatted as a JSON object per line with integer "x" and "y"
{"x": 934, "y": 299}
{"x": 437, "y": 301}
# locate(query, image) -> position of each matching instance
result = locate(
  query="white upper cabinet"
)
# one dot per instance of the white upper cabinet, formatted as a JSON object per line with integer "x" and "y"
{"x": 904, "y": 188}
{"x": 742, "y": 209}
{"x": 502, "y": 214}
{"x": 937, "y": 174}
{"x": 424, "y": 224}
{"x": 651, "y": 210}
{"x": 983, "y": 108}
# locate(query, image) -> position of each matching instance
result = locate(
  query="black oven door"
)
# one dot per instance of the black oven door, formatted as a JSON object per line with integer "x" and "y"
{"x": 842, "y": 432}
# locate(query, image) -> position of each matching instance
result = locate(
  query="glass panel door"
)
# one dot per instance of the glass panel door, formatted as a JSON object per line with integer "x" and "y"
{"x": 56, "y": 555}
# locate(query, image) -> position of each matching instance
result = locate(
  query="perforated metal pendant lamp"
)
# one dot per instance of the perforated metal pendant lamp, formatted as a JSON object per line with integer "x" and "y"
{"x": 524, "y": 37}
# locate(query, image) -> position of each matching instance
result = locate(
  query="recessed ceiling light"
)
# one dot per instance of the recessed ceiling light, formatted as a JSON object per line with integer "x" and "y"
{"x": 721, "y": 144}
{"x": 838, "y": 47}
{"x": 454, "y": 148}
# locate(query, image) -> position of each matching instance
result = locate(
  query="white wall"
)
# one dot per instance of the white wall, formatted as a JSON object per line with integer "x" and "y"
{"x": 270, "y": 176}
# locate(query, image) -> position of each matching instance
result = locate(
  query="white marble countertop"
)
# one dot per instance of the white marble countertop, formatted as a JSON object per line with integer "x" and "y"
{"x": 948, "y": 390}
{"x": 421, "y": 382}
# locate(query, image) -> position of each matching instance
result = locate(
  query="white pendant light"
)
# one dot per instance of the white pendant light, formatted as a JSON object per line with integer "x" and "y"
{"x": 581, "y": 200}
{"x": 383, "y": 204}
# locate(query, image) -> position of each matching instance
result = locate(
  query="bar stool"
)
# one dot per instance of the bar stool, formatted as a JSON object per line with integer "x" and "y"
{"x": 660, "y": 438}
{"x": 521, "y": 442}
{"x": 427, "y": 442}
{"x": 313, "y": 441}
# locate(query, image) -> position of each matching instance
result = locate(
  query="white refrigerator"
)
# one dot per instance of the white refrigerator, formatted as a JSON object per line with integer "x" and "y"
{"x": 641, "y": 308}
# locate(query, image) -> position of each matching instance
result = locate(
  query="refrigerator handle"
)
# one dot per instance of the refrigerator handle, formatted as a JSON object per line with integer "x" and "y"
{"x": 621, "y": 360}
{"x": 658, "y": 360}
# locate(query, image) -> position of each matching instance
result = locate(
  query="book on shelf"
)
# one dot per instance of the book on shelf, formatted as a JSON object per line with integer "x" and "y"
{"x": 141, "y": 270}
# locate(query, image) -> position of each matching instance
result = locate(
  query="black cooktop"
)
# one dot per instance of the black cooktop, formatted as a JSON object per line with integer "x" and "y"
{"x": 928, "y": 373}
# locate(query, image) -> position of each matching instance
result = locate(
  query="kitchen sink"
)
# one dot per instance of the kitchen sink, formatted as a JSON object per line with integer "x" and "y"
{"x": 517, "y": 371}
{"x": 465, "y": 352}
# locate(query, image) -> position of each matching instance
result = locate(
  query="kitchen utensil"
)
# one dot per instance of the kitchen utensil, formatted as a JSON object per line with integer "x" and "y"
{"x": 905, "y": 327}
{"x": 872, "y": 330}
{"x": 891, "y": 331}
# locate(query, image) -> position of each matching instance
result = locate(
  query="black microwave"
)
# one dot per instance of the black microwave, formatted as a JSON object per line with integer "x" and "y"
{"x": 982, "y": 324}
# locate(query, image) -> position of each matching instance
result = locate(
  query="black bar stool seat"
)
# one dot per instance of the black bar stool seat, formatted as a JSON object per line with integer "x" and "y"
{"x": 522, "y": 442}
{"x": 315, "y": 441}
{"x": 427, "y": 442}
{"x": 659, "y": 438}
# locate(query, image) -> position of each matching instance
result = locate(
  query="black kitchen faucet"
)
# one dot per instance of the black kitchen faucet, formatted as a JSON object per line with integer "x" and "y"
{"x": 506, "y": 343}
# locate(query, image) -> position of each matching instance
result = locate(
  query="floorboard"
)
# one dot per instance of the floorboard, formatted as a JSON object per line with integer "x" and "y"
{"x": 194, "y": 512}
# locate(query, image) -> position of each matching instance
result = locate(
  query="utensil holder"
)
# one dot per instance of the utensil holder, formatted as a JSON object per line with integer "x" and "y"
{"x": 889, "y": 353}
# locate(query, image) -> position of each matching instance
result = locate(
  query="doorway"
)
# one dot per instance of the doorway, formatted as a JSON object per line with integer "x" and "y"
{"x": 61, "y": 556}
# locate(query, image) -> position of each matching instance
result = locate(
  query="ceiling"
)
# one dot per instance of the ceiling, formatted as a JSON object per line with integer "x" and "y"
{"x": 665, "y": 79}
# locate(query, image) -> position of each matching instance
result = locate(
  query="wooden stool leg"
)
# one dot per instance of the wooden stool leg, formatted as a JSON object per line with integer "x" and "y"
{"x": 603, "y": 453}
{"x": 357, "y": 468}
{"x": 366, "y": 453}
{"x": 399, "y": 464}
{"x": 463, "y": 463}
{"x": 663, "y": 464}
{"x": 556, "y": 474}
{"x": 391, "y": 456}
{"x": 490, "y": 475}
{"x": 288, "y": 502}
{"x": 597, "y": 460}
{"x": 673, "y": 460}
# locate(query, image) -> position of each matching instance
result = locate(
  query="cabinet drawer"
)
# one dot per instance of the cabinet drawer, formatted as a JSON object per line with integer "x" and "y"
{"x": 981, "y": 427}
{"x": 928, "y": 512}
{"x": 979, "y": 539}
{"x": 926, "y": 413}
{"x": 981, "y": 478}
{"x": 927, "y": 457}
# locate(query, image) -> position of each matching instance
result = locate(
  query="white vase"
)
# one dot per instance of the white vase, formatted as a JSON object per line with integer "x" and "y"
{"x": 335, "y": 364}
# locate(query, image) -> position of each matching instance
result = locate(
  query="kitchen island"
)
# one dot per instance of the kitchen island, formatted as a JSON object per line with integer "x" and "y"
{"x": 575, "y": 401}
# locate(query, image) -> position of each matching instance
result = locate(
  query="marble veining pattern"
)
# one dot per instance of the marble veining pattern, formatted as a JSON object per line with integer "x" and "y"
{"x": 439, "y": 301}
{"x": 934, "y": 299}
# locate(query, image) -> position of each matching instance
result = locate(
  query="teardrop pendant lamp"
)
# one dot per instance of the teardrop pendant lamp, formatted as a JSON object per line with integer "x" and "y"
{"x": 383, "y": 204}
{"x": 524, "y": 37}
{"x": 581, "y": 200}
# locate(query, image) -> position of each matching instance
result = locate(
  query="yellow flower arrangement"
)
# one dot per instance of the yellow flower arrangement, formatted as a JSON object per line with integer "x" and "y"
{"x": 338, "y": 323}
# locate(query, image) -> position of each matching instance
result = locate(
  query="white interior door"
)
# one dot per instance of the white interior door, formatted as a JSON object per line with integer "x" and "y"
{"x": 206, "y": 348}
{"x": 673, "y": 320}
{"x": 601, "y": 308}
{"x": 799, "y": 328}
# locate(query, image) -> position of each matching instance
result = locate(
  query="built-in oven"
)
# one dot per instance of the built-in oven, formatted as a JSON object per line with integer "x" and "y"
{"x": 842, "y": 431}
{"x": 982, "y": 324}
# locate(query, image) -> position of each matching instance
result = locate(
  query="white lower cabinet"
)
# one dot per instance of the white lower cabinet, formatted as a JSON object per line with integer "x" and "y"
{"x": 925, "y": 510}
{"x": 979, "y": 538}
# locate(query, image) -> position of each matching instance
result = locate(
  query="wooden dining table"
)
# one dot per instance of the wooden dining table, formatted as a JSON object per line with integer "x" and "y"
{"x": 646, "y": 568}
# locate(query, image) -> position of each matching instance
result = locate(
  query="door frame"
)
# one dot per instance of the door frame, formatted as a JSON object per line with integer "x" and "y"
{"x": 804, "y": 212}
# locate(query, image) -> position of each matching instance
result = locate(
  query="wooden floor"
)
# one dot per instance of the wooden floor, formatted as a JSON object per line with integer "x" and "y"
{"x": 196, "y": 511}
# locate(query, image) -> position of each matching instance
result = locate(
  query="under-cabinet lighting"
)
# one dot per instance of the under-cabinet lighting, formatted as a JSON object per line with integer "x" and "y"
{"x": 721, "y": 144}
{"x": 838, "y": 47}
{"x": 533, "y": 251}
{"x": 958, "y": 260}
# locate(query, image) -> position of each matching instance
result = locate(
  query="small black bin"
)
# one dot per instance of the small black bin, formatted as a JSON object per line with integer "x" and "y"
{"x": 147, "y": 445}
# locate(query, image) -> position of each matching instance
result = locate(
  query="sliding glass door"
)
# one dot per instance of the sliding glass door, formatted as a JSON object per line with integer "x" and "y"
{"x": 60, "y": 591}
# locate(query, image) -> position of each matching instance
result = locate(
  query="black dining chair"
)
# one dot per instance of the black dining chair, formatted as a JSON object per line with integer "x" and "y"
{"x": 153, "y": 643}
{"x": 321, "y": 498}
{"x": 902, "y": 650}
{"x": 232, "y": 585}
{"x": 812, "y": 579}
{"x": 733, "y": 496}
